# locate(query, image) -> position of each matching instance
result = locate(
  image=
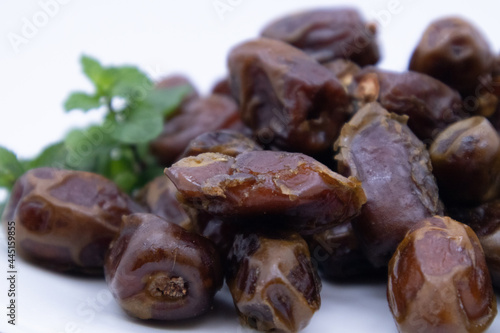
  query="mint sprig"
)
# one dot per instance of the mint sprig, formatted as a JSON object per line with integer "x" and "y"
{"x": 117, "y": 148}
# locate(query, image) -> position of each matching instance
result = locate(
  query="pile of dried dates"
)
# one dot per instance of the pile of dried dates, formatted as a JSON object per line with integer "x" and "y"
{"x": 305, "y": 148}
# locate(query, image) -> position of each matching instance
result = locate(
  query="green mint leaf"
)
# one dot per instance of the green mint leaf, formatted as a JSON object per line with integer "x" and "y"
{"x": 2, "y": 209}
{"x": 122, "y": 169}
{"x": 93, "y": 69}
{"x": 86, "y": 148}
{"x": 130, "y": 83}
{"x": 82, "y": 101}
{"x": 165, "y": 101}
{"x": 138, "y": 127}
{"x": 53, "y": 156}
{"x": 10, "y": 168}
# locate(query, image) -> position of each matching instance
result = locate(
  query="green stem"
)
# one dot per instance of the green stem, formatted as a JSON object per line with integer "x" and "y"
{"x": 138, "y": 160}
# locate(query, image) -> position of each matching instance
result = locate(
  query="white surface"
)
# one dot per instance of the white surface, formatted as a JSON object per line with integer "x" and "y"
{"x": 163, "y": 37}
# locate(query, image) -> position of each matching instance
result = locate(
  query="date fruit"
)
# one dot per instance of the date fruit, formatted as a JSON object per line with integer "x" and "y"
{"x": 456, "y": 52}
{"x": 377, "y": 148}
{"x": 485, "y": 221}
{"x": 466, "y": 162}
{"x": 339, "y": 256}
{"x": 159, "y": 196}
{"x": 65, "y": 219}
{"x": 272, "y": 281}
{"x": 158, "y": 270}
{"x": 227, "y": 142}
{"x": 287, "y": 98}
{"x": 430, "y": 104}
{"x": 329, "y": 34}
{"x": 195, "y": 117}
{"x": 439, "y": 282}
{"x": 290, "y": 189}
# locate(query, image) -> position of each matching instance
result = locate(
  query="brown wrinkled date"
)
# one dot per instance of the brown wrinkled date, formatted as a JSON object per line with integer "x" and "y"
{"x": 439, "y": 282}
{"x": 157, "y": 270}
{"x": 393, "y": 165}
{"x": 227, "y": 142}
{"x": 160, "y": 198}
{"x": 328, "y": 34}
{"x": 339, "y": 256}
{"x": 344, "y": 70}
{"x": 485, "y": 221}
{"x": 66, "y": 219}
{"x": 195, "y": 117}
{"x": 430, "y": 104}
{"x": 454, "y": 51}
{"x": 466, "y": 162}
{"x": 288, "y": 99}
{"x": 288, "y": 189}
{"x": 272, "y": 281}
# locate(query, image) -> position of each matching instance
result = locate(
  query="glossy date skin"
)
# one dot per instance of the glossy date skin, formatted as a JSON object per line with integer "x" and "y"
{"x": 287, "y": 189}
{"x": 160, "y": 198}
{"x": 65, "y": 219}
{"x": 328, "y": 34}
{"x": 439, "y": 282}
{"x": 195, "y": 117}
{"x": 466, "y": 162}
{"x": 430, "y": 104}
{"x": 289, "y": 100}
{"x": 227, "y": 142}
{"x": 485, "y": 221}
{"x": 273, "y": 282}
{"x": 456, "y": 52}
{"x": 158, "y": 270}
{"x": 393, "y": 165}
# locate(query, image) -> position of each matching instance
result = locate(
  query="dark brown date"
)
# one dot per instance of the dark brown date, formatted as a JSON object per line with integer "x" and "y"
{"x": 394, "y": 168}
{"x": 287, "y": 98}
{"x": 430, "y": 104}
{"x": 222, "y": 87}
{"x": 485, "y": 221}
{"x": 65, "y": 220}
{"x": 439, "y": 282}
{"x": 338, "y": 254}
{"x": 227, "y": 142}
{"x": 291, "y": 189}
{"x": 466, "y": 162}
{"x": 158, "y": 270}
{"x": 272, "y": 281}
{"x": 454, "y": 51}
{"x": 221, "y": 231}
{"x": 175, "y": 81}
{"x": 159, "y": 196}
{"x": 195, "y": 117}
{"x": 344, "y": 70}
{"x": 329, "y": 34}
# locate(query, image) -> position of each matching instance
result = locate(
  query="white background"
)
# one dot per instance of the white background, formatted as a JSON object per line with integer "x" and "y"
{"x": 165, "y": 37}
